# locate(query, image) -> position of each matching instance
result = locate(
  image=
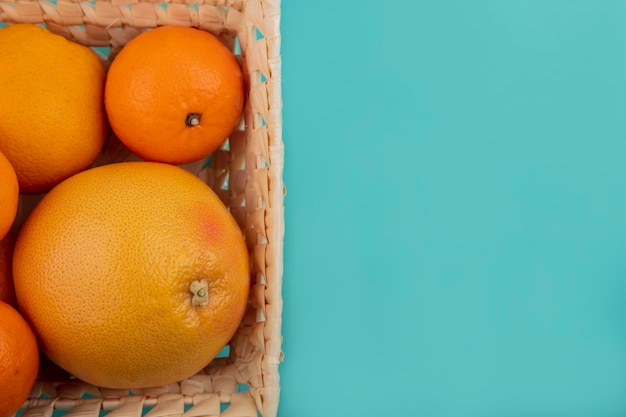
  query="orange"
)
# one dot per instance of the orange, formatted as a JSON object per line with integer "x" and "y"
{"x": 19, "y": 360}
{"x": 174, "y": 94}
{"x": 7, "y": 291}
{"x": 132, "y": 274}
{"x": 52, "y": 121}
{"x": 9, "y": 195}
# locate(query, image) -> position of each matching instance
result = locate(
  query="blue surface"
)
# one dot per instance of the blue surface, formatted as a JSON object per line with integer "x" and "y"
{"x": 456, "y": 212}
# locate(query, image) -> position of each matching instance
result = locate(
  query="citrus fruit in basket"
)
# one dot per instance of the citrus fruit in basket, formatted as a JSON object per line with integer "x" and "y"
{"x": 19, "y": 360}
{"x": 7, "y": 290}
{"x": 9, "y": 195}
{"x": 132, "y": 274}
{"x": 174, "y": 94}
{"x": 53, "y": 122}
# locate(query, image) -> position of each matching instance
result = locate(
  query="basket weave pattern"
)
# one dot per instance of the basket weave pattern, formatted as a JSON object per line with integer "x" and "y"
{"x": 246, "y": 172}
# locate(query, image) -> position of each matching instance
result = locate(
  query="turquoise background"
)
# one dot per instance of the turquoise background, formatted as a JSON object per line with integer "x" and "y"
{"x": 455, "y": 213}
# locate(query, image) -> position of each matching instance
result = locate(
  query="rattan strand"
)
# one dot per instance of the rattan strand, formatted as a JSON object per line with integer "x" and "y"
{"x": 247, "y": 174}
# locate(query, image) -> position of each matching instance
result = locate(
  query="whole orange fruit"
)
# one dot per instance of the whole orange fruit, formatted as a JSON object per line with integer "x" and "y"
{"x": 174, "y": 94}
{"x": 7, "y": 290}
{"x": 132, "y": 274}
{"x": 53, "y": 122}
{"x": 19, "y": 360}
{"x": 9, "y": 195}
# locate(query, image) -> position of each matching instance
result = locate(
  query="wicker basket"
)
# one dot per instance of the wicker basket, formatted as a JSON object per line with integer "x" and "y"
{"x": 246, "y": 172}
